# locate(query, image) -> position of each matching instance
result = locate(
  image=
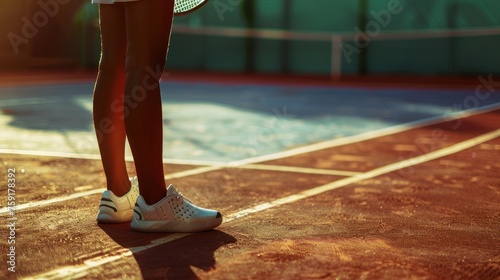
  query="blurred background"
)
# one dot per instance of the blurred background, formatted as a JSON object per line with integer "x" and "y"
{"x": 320, "y": 37}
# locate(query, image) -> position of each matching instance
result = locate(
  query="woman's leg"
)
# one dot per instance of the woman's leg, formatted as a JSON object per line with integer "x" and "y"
{"x": 108, "y": 111}
{"x": 148, "y": 27}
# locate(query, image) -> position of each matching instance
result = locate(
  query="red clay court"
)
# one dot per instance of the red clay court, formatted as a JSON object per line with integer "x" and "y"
{"x": 417, "y": 200}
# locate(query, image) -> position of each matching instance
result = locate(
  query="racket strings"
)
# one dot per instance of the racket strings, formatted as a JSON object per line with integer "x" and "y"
{"x": 182, "y": 6}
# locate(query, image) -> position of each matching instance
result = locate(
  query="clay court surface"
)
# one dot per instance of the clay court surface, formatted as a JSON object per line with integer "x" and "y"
{"x": 414, "y": 200}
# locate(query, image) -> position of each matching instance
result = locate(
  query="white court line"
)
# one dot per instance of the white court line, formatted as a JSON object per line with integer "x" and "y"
{"x": 367, "y": 135}
{"x": 77, "y": 271}
{"x": 50, "y": 201}
{"x": 306, "y": 170}
{"x": 179, "y": 174}
{"x": 80, "y": 270}
{"x": 192, "y": 172}
{"x": 92, "y": 192}
{"x": 302, "y": 150}
{"x": 368, "y": 175}
{"x": 292, "y": 152}
{"x": 98, "y": 157}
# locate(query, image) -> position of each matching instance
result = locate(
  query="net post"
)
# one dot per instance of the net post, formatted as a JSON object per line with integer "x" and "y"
{"x": 336, "y": 63}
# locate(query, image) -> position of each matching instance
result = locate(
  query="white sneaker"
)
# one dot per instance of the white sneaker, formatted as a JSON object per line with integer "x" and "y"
{"x": 118, "y": 209}
{"x": 174, "y": 213}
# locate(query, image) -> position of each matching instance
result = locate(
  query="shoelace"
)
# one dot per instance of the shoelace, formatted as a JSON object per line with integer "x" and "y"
{"x": 181, "y": 198}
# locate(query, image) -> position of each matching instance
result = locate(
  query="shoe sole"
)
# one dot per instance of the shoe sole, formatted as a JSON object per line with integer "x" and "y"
{"x": 115, "y": 217}
{"x": 173, "y": 226}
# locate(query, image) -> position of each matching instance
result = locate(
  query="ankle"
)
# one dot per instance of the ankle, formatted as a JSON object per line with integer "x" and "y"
{"x": 153, "y": 198}
{"x": 119, "y": 188}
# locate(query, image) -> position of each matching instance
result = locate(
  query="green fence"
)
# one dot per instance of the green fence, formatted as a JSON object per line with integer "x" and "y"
{"x": 435, "y": 56}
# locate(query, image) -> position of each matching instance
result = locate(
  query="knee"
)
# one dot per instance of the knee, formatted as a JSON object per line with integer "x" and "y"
{"x": 147, "y": 75}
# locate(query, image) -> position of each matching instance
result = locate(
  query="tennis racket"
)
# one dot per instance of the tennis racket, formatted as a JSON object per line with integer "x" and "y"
{"x": 184, "y": 7}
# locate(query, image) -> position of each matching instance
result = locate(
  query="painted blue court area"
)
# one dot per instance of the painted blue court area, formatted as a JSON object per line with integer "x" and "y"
{"x": 222, "y": 123}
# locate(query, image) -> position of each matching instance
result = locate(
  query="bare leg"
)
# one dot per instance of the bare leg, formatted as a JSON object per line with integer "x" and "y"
{"x": 148, "y": 26}
{"x": 108, "y": 98}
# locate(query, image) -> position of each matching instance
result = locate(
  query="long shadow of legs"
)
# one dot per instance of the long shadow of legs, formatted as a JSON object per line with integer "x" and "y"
{"x": 174, "y": 259}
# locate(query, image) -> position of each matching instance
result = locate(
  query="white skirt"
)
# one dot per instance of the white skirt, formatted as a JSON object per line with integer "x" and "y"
{"x": 110, "y": 1}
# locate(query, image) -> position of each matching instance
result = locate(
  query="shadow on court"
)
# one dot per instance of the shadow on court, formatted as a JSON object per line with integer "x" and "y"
{"x": 175, "y": 259}
{"x": 50, "y": 115}
{"x": 361, "y": 209}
